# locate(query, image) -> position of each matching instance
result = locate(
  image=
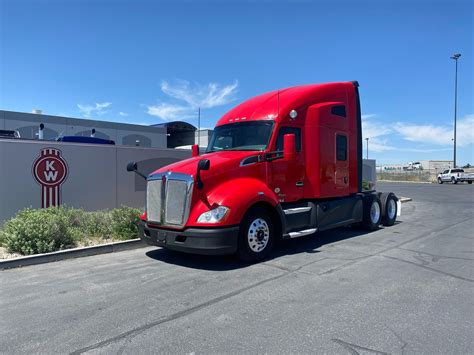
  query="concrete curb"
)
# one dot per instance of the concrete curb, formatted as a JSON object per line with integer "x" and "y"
{"x": 71, "y": 253}
{"x": 407, "y": 182}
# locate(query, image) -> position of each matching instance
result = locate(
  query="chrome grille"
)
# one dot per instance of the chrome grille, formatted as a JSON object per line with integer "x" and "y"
{"x": 169, "y": 198}
{"x": 153, "y": 201}
{"x": 175, "y": 201}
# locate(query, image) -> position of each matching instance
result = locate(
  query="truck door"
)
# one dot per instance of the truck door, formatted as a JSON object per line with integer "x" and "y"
{"x": 342, "y": 163}
{"x": 286, "y": 178}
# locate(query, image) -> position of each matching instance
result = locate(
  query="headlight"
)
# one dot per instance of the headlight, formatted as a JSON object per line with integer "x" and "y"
{"x": 213, "y": 216}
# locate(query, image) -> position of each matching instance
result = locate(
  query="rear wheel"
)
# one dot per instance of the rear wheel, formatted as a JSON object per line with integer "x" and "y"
{"x": 372, "y": 213}
{"x": 389, "y": 212}
{"x": 440, "y": 181}
{"x": 256, "y": 236}
{"x": 453, "y": 180}
{"x": 469, "y": 182}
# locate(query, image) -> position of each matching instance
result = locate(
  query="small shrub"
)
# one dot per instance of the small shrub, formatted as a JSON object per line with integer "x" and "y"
{"x": 34, "y": 231}
{"x": 125, "y": 222}
{"x": 2, "y": 239}
{"x": 97, "y": 224}
{"x": 38, "y": 231}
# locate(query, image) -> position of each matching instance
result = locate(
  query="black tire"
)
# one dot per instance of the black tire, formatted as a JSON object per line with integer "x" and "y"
{"x": 453, "y": 180}
{"x": 469, "y": 182}
{"x": 368, "y": 222}
{"x": 259, "y": 224}
{"x": 389, "y": 208}
{"x": 440, "y": 181}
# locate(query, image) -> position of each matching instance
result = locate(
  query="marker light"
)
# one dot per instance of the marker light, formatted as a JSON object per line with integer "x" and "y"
{"x": 213, "y": 216}
{"x": 293, "y": 114}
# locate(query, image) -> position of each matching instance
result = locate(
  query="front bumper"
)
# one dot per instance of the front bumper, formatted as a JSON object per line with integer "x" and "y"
{"x": 208, "y": 241}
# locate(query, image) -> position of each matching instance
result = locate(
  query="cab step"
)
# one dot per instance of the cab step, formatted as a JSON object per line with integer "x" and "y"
{"x": 296, "y": 210}
{"x": 302, "y": 233}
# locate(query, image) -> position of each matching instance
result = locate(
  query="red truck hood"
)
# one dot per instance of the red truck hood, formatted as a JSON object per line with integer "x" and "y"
{"x": 220, "y": 162}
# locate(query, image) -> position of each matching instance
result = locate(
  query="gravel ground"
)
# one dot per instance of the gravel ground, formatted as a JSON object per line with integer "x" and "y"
{"x": 4, "y": 254}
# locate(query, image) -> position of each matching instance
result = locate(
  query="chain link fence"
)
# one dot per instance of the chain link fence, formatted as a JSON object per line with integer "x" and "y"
{"x": 418, "y": 175}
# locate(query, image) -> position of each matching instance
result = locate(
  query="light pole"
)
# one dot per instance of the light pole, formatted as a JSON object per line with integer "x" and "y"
{"x": 367, "y": 153}
{"x": 455, "y": 57}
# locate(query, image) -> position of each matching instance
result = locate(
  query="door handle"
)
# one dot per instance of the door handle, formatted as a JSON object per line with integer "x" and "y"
{"x": 299, "y": 183}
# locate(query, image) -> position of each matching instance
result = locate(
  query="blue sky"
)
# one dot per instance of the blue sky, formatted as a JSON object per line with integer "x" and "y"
{"x": 149, "y": 61}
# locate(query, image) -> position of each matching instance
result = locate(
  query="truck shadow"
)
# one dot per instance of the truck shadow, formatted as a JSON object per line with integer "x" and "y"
{"x": 307, "y": 244}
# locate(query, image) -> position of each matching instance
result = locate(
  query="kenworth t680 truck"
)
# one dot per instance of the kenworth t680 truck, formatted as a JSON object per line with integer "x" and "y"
{"x": 284, "y": 164}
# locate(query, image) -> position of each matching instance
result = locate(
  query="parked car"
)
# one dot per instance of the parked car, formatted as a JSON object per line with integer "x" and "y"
{"x": 455, "y": 176}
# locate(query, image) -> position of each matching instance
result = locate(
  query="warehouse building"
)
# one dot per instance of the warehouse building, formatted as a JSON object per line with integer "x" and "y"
{"x": 47, "y": 127}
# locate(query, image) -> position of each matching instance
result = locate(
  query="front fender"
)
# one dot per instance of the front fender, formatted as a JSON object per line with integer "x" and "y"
{"x": 238, "y": 195}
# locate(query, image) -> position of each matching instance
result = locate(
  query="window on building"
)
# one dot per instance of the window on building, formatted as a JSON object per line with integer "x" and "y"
{"x": 289, "y": 130}
{"x": 341, "y": 147}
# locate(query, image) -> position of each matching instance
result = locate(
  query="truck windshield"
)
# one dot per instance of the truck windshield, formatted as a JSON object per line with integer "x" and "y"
{"x": 241, "y": 136}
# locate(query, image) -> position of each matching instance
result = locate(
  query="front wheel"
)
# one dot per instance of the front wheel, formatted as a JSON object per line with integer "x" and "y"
{"x": 469, "y": 182}
{"x": 256, "y": 236}
{"x": 440, "y": 181}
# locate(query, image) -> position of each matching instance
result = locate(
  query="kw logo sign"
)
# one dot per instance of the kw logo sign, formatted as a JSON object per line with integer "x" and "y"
{"x": 50, "y": 171}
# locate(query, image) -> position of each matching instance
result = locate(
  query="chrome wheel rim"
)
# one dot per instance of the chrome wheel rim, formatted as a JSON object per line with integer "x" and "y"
{"x": 391, "y": 209}
{"x": 375, "y": 212}
{"x": 258, "y": 235}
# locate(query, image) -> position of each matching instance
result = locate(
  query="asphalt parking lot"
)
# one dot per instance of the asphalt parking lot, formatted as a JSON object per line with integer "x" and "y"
{"x": 404, "y": 289}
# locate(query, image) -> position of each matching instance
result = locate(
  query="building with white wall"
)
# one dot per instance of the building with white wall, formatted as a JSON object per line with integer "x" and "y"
{"x": 28, "y": 124}
{"x": 436, "y": 164}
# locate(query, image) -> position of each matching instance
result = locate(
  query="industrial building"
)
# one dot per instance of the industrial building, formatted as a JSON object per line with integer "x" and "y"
{"x": 34, "y": 126}
{"x": 426, "y": 165}
{"x": 89, "y": 176}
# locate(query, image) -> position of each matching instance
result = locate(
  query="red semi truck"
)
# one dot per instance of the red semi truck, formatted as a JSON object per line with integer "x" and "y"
{"x": 284, "y": 164}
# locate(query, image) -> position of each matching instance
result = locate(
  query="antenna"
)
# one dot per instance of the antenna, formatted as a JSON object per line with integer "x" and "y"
{"x": 199, "y": 126}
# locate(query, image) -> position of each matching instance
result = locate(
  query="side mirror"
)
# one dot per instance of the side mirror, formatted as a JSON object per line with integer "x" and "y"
{"x": 194, "y": 150}
{"x": 289, "y": 146}
{"x": 204, "y": 164}
{"x": 132, "y": 166}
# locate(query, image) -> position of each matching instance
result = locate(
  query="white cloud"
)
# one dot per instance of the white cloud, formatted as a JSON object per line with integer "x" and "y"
{"x": 418, "y": 150}
{"x": 465, "y": 131}
{"x": 370, "y": 115}
{"x": 374, "y": 131}
{"x": 123, "y": 114}
{"x": 198, "y": 95}
{"x": 438, "y": 135}
{"x": 170, "y": 112}
{"x": 191, "y": 97}
{"x": 97, "y": 109}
